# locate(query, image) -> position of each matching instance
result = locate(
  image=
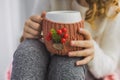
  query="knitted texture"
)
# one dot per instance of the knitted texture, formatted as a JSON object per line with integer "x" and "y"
{"x": 72, "y": 31}
{"x": 31, "y": 61}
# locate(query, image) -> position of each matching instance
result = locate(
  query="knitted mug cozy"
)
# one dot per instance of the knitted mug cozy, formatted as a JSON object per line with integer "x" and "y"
{"x": 57, "y": 36}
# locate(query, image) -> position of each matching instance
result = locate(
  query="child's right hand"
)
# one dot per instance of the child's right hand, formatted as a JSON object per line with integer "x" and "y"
{"x": 32, "y": 27}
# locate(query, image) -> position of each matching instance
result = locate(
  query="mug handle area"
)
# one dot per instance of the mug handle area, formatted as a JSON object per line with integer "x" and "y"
{"x": 43, "y": 15}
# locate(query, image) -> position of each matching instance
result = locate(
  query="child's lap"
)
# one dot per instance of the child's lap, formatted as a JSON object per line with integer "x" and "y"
{"x": 59, "y": 67}
{"x": 64, "y": 67}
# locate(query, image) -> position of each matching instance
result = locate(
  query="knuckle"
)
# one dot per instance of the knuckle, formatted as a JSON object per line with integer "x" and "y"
{"x": 27, "y": 22}
{"x": 37, "y": 26}
{"x": 32, "y": 17}
{"x": 38, "y": 17}
{"x": 26, "y": 29}
{"x": 33, "y": 24}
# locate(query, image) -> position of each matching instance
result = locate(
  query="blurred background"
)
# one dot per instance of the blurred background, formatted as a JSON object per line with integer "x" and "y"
{"x": 13, "y": 14}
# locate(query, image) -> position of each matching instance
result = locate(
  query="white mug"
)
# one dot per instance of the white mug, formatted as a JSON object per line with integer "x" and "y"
{"x": 64, "y": 16}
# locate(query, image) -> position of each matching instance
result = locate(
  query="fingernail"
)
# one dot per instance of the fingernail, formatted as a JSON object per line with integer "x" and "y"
{"x": 72, "y": 43}
{"x": 69, "y": 54}
{"x": 77, "y": 64}
{"x": 81, "y": 29}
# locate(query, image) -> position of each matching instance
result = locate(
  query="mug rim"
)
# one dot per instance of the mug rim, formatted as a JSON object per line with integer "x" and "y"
{"x": 64, "y": 16}
{"x": 61, "y": 23}
{"x": 65, "y": 12}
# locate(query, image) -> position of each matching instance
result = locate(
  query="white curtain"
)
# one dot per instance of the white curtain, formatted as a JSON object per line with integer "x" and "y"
{"x": 13, "y": 14}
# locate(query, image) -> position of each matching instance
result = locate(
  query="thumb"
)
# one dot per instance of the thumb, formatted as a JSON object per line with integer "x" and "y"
{"x": 43, "y": 14}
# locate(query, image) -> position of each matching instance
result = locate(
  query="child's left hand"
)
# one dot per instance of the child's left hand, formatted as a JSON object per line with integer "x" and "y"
{"x": 88, "y": 52}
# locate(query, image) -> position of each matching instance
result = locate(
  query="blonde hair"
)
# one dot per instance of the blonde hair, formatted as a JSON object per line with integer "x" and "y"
{"x": 98, "y": 8}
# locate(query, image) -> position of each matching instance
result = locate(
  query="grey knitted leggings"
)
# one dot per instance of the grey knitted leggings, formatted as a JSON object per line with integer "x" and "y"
{"x": 32, "y": 61}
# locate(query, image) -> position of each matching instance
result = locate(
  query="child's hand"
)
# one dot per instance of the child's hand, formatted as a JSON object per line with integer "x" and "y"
{"x": 88, "y": 52}
{"x": 32, "y": 27}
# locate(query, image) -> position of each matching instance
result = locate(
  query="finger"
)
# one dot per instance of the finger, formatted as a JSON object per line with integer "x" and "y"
{"x": 84, "y": 61}
{"x": 33, "y": 25}
{"x": 82, "y": 43}
{"x": 85, "y": 33}
{"x": 31, "y": 31}
{"x": 29, "y": 36}
{"x": 43, "y": 14}
{"x": 82, "y": 53}
{"x": 36, "y": 18}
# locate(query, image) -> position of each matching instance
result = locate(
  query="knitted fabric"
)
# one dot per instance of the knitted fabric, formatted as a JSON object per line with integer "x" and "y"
{"x": 72, "y": 31}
